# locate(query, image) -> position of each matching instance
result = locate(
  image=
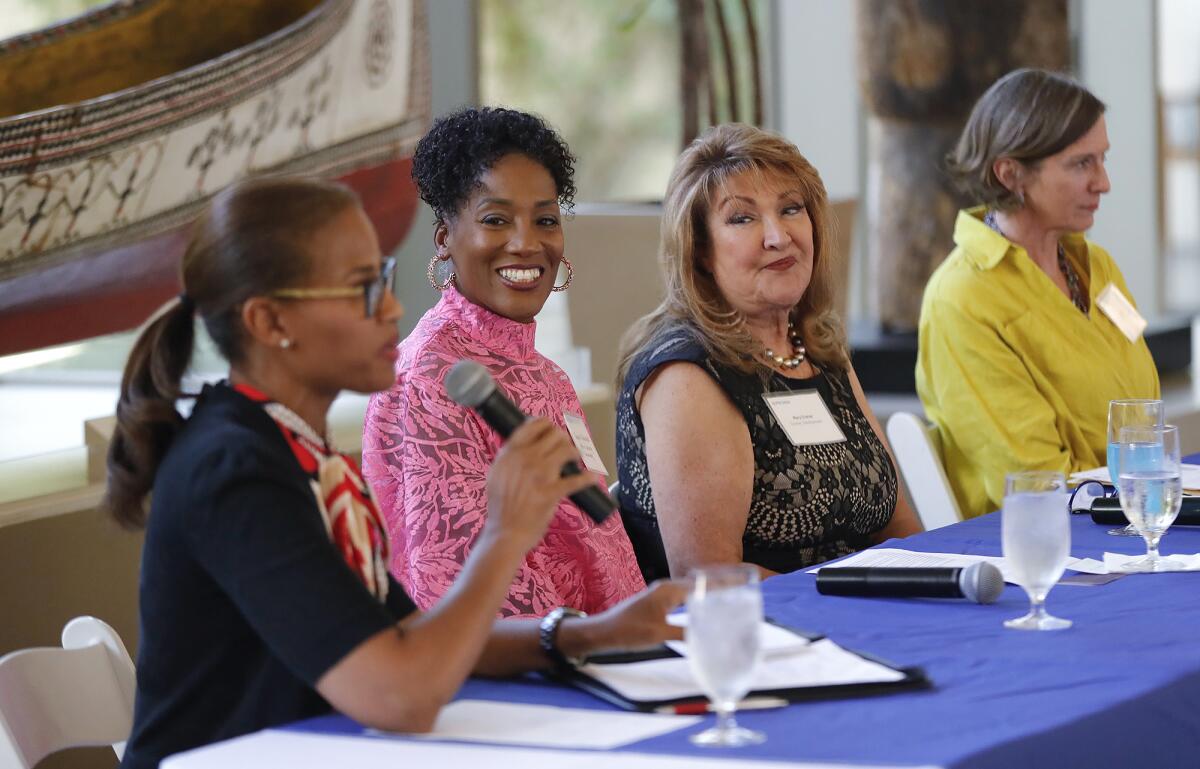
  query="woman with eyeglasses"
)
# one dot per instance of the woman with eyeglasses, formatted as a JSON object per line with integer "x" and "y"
{"x": 496, "y": 180}
{"x": 1024, "y": 335}
{"x": 265, "y": 596}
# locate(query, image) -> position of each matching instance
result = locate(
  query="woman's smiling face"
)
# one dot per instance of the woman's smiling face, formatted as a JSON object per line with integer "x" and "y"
{"x": 761, "y": 243}
{"x": 506, "y": 240}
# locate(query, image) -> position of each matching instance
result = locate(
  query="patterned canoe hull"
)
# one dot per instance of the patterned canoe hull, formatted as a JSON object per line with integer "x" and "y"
{"x": 96, "y": 196}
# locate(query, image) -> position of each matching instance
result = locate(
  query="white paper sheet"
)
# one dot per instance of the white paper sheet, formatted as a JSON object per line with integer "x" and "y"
{"x": 775, "y": 640}
{"x": 821, "y": 663}
{"x": 1190, "y": 475}
{"x": 1086, "y": 565}
{"x": 1115, "y": 563}
{"x": 891, "y": 557}
{"x": 274, "y": 749}
{"x": 896, "y": 558}
{"x": 511, "y": 723}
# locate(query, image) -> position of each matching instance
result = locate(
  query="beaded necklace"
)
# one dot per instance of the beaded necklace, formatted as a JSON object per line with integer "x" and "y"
{"x": 1074, "y": 287}
{"x": 799, "y": 353}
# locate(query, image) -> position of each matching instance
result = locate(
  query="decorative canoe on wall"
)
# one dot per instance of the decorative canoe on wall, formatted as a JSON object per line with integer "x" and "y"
{"x": 117, "y": 126}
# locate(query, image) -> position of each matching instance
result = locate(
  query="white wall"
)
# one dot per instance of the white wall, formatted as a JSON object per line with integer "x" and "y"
{"x": 816, "y": 83}
{"x": 1117, "y": 62}
{"x": 814, "y": 80}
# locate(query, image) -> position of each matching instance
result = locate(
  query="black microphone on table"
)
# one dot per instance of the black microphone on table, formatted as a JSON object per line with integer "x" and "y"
{"x": 980, "y": 582}
{"x": 469, "y": 384}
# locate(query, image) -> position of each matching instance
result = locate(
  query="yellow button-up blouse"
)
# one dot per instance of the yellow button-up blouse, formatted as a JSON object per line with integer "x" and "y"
{"x": 1010, "y": 372}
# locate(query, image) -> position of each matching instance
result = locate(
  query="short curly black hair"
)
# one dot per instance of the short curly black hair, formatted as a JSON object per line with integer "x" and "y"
{"x": 460, "y": 147}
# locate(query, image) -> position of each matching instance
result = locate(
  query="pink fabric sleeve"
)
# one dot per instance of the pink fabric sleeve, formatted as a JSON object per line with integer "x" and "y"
{"x": 427, "y": 460}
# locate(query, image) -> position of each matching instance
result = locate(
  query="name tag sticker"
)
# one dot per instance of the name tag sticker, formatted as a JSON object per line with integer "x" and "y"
{"x": 1121, "y": 312}
{"x": 583, "y": 443}
{"x": 804, "y": 417}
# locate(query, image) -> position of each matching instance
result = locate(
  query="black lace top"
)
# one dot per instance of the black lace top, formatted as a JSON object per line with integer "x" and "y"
{"x": 809, "y": 504}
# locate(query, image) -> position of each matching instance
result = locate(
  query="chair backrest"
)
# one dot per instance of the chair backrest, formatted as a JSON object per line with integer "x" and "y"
{"x": 79, "y": 695}
{"x": 918, "y": 453}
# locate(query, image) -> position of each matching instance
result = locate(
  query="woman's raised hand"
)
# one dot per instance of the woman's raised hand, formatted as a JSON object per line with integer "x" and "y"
{"x": 524, "y": 485}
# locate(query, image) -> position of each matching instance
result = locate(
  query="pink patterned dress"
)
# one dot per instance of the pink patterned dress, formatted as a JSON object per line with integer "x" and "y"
{"x": 427, "y": 460}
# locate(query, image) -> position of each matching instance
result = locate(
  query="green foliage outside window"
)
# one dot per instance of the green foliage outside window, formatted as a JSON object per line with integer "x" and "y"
{"x": 608, "y": 75}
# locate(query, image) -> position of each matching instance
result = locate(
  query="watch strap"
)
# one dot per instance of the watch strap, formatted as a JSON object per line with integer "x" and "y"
{"x": 548, "y": 637}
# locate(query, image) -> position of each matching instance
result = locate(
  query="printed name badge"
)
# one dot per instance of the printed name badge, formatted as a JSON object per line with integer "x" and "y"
{"x": 1121, "y": 312}
{"x": 804, "y": 417}
{"x": 583, "y": 443}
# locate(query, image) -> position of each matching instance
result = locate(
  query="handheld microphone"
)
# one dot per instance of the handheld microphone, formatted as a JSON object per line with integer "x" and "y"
{"x": 980, "y": 582}
{"x": 469, "y": 384}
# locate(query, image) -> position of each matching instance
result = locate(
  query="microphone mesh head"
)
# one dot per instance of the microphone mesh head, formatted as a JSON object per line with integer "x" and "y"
{"x": 469, "y": 384}
{"x": 981, "y": 582}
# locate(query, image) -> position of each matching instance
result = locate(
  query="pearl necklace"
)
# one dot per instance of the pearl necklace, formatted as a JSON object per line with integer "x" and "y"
{"x": 799, "y": 353}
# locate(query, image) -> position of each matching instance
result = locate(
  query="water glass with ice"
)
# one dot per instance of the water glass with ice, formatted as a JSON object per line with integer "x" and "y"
{"x": 1035, "y": 532}
{"x": 723, "y": 647}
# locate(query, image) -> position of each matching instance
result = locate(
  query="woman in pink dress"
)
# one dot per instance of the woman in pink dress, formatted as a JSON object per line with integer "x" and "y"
{"x": 496, "y": 180}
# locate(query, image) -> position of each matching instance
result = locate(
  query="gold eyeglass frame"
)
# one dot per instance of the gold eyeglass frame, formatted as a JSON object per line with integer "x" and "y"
{"x": 386, "y": 282}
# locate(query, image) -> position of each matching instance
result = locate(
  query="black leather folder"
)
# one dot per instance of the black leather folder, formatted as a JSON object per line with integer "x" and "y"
{"x": 913, "y": 678}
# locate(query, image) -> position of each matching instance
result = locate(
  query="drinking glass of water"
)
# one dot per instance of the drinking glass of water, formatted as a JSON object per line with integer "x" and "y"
{"x": 723, "y": 648}
{"x": 1137, "y": 412}
{"x": 1150, "y": 485}
{"x": 1035, "y": 530}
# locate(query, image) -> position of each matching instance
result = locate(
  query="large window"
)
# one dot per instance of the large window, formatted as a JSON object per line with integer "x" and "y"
{"x": 1179, "y": 100}
{"x": 22, "y": 16}
{"x": 624, "y": 81}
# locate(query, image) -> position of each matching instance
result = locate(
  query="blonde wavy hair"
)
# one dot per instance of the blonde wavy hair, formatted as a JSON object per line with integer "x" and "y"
{"x": 692, "y": 295}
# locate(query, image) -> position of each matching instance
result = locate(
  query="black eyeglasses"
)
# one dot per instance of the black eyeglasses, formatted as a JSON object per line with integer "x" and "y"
{"x": 372, "y": 292}
{"x": 1106, "y": 491}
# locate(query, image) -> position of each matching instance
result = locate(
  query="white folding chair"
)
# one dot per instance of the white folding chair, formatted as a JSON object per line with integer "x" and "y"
{"x": 918, "y": 453}
{"x": 79, "y": 695}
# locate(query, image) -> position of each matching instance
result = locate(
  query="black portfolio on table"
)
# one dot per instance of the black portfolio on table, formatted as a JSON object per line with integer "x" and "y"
{"x": 911, "y": 678}
{"x": 1107, "y": 511}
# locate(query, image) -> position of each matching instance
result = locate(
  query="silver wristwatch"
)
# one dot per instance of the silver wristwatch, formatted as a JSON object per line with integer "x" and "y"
{"x": 548, "y": 637}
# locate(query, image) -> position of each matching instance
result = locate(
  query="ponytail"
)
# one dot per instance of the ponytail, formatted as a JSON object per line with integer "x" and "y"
{"x": 147, "y": 421}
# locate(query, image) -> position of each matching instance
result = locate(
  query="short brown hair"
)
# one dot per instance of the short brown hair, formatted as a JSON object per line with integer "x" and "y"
{"x": 1027, "y": 115}
{"x": 692, "y": 294}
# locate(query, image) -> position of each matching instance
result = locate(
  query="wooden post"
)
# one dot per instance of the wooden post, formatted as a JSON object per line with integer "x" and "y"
{"x": 922, "y": 65}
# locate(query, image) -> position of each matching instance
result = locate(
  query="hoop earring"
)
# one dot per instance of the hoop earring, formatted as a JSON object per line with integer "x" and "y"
{"x": 430, "y": 273}
{"x": 570, "y": 275}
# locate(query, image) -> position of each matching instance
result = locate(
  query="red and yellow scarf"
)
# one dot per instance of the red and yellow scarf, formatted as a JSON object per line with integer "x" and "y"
{"x": 347, "y": 506}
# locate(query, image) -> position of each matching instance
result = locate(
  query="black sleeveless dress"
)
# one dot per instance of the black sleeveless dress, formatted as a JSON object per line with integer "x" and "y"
{"x": 809, "y": 503}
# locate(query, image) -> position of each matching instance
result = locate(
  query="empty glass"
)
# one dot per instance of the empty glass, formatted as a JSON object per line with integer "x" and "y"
{"x": 723, "y": 647}
{"x": 1140, "y": 412}
{"x": 1035, "y": 530}
{"x": 1150, "y": 485}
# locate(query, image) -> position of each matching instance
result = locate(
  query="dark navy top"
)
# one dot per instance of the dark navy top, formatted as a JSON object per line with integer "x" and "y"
{"x": 245, "y": 603}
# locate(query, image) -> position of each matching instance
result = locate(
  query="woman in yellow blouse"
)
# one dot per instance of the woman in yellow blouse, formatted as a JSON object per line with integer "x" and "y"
{"x": 1021, "y": 348}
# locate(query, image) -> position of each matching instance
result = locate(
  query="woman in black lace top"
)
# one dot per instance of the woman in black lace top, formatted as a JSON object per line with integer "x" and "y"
{"x": 745, "y": 338}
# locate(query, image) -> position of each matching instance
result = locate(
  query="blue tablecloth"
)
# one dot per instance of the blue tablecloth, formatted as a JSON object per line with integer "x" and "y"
{"x": 1121, "y": 688}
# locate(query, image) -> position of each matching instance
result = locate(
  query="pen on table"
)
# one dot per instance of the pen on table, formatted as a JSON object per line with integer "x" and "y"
{"x": 700, "y": 708}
